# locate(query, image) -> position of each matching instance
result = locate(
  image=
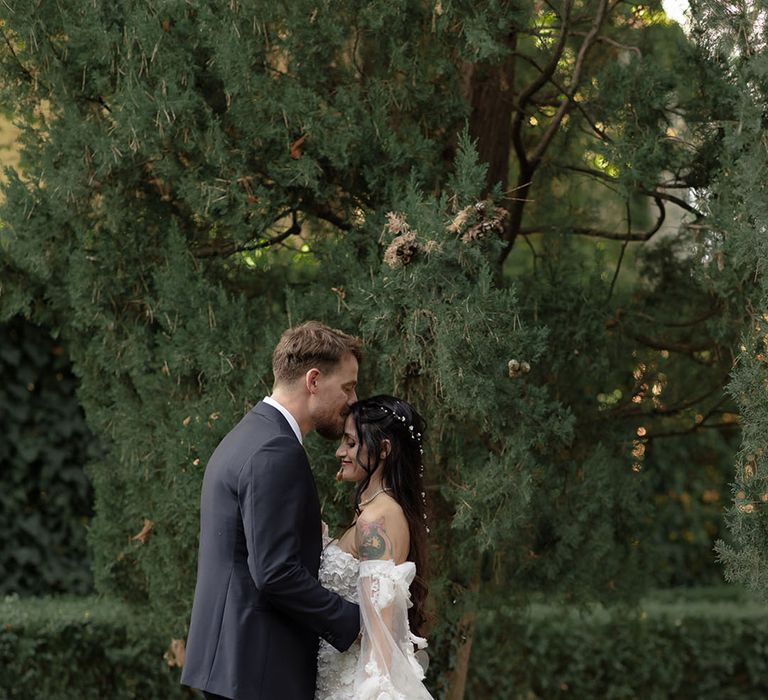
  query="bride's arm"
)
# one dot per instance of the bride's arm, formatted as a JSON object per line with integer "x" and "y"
{"x": 386, "y": 659}
{"x": 374, "y": 543}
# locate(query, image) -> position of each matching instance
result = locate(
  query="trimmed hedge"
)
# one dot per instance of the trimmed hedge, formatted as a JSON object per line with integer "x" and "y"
{"x": 82, "y": 649}
{"x": 692, "y": 648}
{"x": 698, "y": 648}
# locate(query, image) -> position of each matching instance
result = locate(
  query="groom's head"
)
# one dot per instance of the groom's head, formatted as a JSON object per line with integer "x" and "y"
{"x": 317, "y": 366}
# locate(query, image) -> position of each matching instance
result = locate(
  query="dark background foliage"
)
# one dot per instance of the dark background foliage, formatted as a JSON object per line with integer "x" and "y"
{"x": 46, "y": 500}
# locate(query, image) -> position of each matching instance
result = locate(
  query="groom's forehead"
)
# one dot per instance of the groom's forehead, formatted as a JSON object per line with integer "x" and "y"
{"x": 346, "y": 369}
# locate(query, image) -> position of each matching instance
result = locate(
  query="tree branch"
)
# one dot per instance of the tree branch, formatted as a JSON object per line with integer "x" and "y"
{"x": 568, "y": 103}
{"x": 669, "y": 410}
{"x": 670, "y": 345}
{"x": 614, "y": 43}
{"x": 544, "y": 76}
{"x": 529, "y": 164}
{"x": 561, "y": 90}
{"x": 673, "y": 199}
{"x": 326, "y": 214}
{"x": 689, "y": 431}
{"x": 695, "y": 428}
{"x": 623, "y": 250}
{"x": 677, "y": 324}
{"x": 598, "y": 233}
{"x": 230, "y": 247}
{"x": 99, "y": 101}
{"x": 593, "y": 232}
{"x": 699, "y": 424}
{"x": 22, "y": 67}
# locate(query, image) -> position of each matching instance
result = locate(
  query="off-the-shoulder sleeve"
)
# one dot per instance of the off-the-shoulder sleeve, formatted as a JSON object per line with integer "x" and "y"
{"x": 388, "y": 669}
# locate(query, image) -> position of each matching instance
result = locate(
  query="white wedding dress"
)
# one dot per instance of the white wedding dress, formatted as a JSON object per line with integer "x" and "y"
{"x": 382, "y": 665}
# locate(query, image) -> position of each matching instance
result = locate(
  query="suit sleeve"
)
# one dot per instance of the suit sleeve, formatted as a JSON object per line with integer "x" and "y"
{"x": 274, "y": 492}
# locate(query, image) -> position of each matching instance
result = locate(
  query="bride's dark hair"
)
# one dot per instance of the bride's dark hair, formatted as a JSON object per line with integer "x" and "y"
{"x": 382, "y": 418}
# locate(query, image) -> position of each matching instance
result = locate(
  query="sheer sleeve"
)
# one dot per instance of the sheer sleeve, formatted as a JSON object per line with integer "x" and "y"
{"x": 387, "y": 668}
{"x": 327, "y": 539}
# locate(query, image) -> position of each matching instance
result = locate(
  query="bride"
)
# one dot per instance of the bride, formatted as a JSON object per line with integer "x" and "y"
{"x": 377, "y": 561}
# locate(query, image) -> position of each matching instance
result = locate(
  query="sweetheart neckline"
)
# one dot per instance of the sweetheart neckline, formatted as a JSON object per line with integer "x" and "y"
{"x": 335, "y": 543}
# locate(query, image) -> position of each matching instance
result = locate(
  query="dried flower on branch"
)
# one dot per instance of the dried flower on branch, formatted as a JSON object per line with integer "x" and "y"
{"x": 401, "y": 250}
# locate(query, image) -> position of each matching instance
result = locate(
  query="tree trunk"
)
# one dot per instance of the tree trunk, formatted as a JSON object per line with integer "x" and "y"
{"x": 458, "y": 675}
{"x": 490, "y": 91}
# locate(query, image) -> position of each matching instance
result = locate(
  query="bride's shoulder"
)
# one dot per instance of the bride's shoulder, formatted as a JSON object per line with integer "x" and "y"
{"x": 381, "y": 531}
{"x": 384, "y": 508}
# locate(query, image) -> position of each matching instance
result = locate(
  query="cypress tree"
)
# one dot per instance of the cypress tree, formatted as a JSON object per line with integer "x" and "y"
{"x": 736, "y": 248}
{"x": 467, "y": 185}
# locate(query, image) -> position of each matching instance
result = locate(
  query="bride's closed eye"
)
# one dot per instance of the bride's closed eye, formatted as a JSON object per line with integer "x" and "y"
{"x": 348, "y": 442}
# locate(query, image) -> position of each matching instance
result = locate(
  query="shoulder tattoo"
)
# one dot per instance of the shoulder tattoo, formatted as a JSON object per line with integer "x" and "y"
{"x": 374, "y": 543}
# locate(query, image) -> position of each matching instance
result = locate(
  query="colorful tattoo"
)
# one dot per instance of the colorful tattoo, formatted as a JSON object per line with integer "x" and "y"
{"x": 374, "y": 543}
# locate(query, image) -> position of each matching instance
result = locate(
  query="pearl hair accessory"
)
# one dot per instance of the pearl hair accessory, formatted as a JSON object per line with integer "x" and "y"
{"x": 415, "y": 435}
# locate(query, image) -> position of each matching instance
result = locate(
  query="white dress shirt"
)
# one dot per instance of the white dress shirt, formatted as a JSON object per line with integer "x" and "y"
{"x": 291, "y": 420}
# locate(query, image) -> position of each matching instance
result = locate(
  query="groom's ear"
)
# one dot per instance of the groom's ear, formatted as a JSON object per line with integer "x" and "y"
{"x": 310, "y": 380}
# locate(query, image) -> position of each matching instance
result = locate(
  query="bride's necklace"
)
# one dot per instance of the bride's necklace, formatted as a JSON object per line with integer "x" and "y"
{"x": 368, "y": 500}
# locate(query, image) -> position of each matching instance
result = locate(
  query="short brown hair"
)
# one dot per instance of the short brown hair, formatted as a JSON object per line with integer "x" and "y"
{"x": 311, "y": 344}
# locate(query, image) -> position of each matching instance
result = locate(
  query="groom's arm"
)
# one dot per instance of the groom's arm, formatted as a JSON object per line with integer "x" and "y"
{"x": 274, "y": 493}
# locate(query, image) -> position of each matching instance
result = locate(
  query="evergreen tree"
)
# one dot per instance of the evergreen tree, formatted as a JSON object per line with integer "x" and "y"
{"x": 735, "y": 36}
{"x": 195, "y": 176}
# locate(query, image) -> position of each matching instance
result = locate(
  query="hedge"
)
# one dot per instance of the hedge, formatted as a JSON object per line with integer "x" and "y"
{"x": 690, "y": 648}
{"x": 82, "y": 649}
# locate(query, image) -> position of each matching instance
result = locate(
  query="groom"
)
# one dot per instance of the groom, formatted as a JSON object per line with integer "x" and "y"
{"x": 259, "y": 609}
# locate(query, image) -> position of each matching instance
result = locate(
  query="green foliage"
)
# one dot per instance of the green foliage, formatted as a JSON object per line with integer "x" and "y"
{"x": 196, "y": 176}
{"x": 87, "y": 648}
{"x": 647, "y": 384}
{"x": 704, "y": 645}
{"x": 46, "y": 499}
{"x": 735, "y": 251}
{"x": 144, "y": 238}
{"x": 502, "y": 455}
{"x": 690, "y": 649}
{"x": 690, "y": 488}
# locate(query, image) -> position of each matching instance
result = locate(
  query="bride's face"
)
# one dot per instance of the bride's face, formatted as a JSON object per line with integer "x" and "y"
{"x": 351, "y": 453}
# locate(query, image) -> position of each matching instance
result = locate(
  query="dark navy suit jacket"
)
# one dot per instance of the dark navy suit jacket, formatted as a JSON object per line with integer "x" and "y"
{"x": 258, "y": 609}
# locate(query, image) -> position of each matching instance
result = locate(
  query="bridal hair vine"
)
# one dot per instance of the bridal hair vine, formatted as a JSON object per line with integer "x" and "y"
{"x": 415, "y": 435}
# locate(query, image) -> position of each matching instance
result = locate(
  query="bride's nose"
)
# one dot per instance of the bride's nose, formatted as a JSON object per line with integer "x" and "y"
{"x": 341, "y": 451}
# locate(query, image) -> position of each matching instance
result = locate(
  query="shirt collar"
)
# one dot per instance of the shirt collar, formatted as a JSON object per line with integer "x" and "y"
{"x": 291, "y": 420}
